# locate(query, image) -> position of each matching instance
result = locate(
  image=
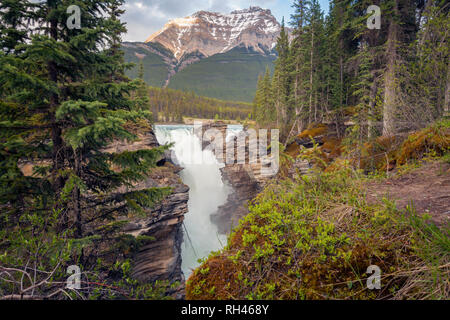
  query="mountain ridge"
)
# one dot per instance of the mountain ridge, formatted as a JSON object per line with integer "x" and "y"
{"x": 210, "y": 33}
{"x": 212, "y": 54}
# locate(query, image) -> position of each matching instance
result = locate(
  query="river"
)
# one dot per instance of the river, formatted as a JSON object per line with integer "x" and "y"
{"x": 207, "y": 192}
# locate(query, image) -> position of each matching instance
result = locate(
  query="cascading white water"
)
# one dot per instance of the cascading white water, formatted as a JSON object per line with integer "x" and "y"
{"x": 207, "y": 192}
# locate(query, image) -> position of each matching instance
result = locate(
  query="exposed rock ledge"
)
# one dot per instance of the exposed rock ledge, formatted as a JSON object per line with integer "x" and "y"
{"x": 246, "y": 181}
{"x": 245, "y": 188}
{"x": 161, "y": 258}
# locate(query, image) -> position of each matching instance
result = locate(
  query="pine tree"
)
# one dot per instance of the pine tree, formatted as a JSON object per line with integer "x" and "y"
{"x": 402, "y": 30}
{"x": 141, "y": 95}
{"x": 64, "y": 99}
{"x": 338, "y": 67}
{"x": 424, "y": 73}
{"x": 340, "y": 47}
{"x": 281, "y": 81}
{"x": 305, "y": 62}
{"x": 268, "y": 109}
{"x": 264, "y": 110}
{"x": 13, "y": 27}
{"x": 315, "y": 33}
{"x": 257, "y": 101}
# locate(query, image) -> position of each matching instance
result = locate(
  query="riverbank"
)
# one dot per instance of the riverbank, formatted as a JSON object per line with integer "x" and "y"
{"x": 317, "y": 236}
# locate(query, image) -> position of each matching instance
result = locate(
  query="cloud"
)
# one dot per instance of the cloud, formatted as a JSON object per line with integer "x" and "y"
{"x": 144, "y": 17}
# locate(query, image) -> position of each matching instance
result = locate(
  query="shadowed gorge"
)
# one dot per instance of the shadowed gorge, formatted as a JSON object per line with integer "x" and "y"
{"x": 201, "y": 172}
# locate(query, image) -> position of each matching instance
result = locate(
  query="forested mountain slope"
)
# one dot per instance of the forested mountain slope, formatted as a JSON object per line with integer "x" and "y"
{"x": 212, "y": 54}
{"x": 156, "y": 66}
{"x": 228, "y": 76}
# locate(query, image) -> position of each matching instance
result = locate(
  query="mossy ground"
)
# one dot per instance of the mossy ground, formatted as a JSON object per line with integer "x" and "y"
{"x": 323, "y": 155}
{"x": 387, "y": 153}
{"x": 314, "y": 238}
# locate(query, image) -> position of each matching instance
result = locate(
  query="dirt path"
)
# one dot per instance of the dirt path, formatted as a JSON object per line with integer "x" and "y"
{"x": 428, "y": 187}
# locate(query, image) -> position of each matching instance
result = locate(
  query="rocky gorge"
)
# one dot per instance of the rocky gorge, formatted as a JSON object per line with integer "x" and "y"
{"x": 160, "y": 259}
{"x": 245, "y": 179}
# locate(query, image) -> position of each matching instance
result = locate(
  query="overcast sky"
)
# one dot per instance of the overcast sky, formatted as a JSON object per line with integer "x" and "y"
{"x": 144, "y": 17}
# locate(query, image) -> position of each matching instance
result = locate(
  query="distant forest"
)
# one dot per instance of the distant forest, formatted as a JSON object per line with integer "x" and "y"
{"x": 168, "y": 105}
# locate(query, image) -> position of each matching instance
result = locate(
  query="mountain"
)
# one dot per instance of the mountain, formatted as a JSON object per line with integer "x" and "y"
{"x": 210, "y": 33}
{"x": 232, "y": 75}
{"x": 212, "y": 54}
{"x": 158, "y": 62}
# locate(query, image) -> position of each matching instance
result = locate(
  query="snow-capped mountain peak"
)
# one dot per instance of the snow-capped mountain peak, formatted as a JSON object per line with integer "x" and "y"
{"x": 210, "y": 33}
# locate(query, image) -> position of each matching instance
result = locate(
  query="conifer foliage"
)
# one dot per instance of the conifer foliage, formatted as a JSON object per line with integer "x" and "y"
{"x": 390, "y": 79}
{"x": 63, "y": 100}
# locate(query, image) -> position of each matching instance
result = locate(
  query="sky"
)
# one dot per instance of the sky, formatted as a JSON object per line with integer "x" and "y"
{"x": 144, "y": 17}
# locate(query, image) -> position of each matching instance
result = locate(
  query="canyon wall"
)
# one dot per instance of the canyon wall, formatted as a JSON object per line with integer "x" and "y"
{"x": 161, "y": 258}
{"x": 245, "y": 179}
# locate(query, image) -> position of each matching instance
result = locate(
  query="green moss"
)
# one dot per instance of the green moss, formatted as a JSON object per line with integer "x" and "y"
{"x": 315, "y": 241}
{"x": 315, "y": 236}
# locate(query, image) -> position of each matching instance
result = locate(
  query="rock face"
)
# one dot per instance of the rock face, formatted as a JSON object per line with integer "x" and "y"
{"x": 245, "y": 179}
{"x": 245, "y": 189}
{"x": 161, "y": 258}
{"x": 210, "y": 33}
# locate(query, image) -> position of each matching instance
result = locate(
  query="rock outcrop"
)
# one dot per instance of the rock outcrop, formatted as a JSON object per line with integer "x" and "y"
{"x": 161, "y": 258}
{"x": 245, "y": 189}
{"x": 245, "y": 179}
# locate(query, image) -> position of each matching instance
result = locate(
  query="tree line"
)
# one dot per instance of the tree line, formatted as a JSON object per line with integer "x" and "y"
{"x": 385, "y": 80}
{"x": 168, "y": 105}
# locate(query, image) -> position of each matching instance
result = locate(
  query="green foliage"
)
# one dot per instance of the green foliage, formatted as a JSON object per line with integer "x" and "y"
{"x": 173, "y": 105}
{"x": 336, "y": 70}
{"x": 226, "y": 76}
{"x": 263, "y": 104}
{"x": 314, "y": 237}
{"x": 64, "y": 192}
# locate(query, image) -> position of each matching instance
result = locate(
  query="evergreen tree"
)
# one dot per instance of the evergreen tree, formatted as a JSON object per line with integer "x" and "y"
{"x": 298, "y": 64}
{"x": 281, "y": 81}
{"x": 257, "y": 102}
{"x": 64, "y": 99}
{"x": 264, "y": 109}
{"x": 315, "y": 34}
{"x": 13, "y": 29}
{"x": 402, "y": 29}
{"x": 336, "y": 67}
{"x": 424, "y": 72}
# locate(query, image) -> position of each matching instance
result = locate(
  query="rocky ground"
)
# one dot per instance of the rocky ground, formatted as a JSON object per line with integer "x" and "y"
{"x": 427, "y": 188}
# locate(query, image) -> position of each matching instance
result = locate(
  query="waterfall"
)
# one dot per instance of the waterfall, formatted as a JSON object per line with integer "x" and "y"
{"x": 207, "y": 192}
